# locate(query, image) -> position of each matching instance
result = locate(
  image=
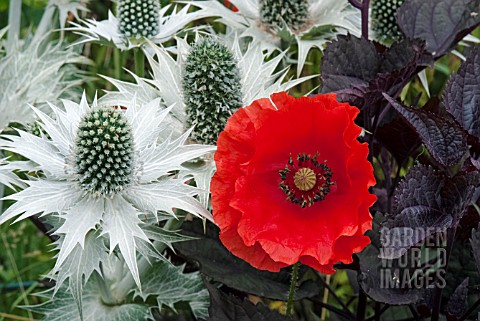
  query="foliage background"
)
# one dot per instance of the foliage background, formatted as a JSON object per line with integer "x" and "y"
{"x": 25, "y": 252}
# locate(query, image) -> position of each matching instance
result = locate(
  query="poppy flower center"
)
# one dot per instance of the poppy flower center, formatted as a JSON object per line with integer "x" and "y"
{"x": 305, "y": 180}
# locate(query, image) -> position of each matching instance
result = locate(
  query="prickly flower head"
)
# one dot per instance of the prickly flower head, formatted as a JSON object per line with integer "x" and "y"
{"x": 139, "y": 18}
{"x": 104, "y": 151}
{"x": 212, "y": 88}
{"x": 104, "y": 169}
{"x": 274, "y": 13}
{"x": 384, "y": 23}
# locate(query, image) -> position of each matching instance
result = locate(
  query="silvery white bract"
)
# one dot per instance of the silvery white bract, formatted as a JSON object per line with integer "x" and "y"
{"x": 7, "y": 177}
{"x": 103, "y": 169}
{"x": 163, "y": 283}
{"x": 259, "y": 78}
{"x": 171, "y": 20}
{"x": 248, "y": 22}
{"x": 35, "y": 73}
{"x": 61, "y": 9}
{"x": 68, "y": 6}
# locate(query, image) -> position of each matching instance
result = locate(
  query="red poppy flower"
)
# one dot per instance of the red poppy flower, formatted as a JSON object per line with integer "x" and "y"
{"x": 292, "y": 183}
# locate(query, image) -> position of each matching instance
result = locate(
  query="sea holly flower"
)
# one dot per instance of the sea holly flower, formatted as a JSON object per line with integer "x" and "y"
{"x": 106, "y": 296}
{"x": 36, "y": 73}
{"x": 104, "y": 169}
{"x": 135, "y": 21}
{"x": 211, "y": 87}
{"x": 276, "y": 14}
{"x": 138, "y": 19}
{"x": 308, "y": 23}
{"x": 292, "y": 183}
{"x": 384, "y": 23}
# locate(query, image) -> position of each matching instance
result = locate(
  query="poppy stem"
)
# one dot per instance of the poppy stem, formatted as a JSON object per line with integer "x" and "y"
{"x": 293, "y": 287}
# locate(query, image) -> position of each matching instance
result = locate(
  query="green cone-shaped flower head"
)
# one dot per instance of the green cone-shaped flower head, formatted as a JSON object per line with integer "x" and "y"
{"x": 276, "y": 13}
{"x": 384, "y": 23}
{"x": 211, "y": 87}
{"x": 138, "y": 18}
{"x": 104, "y": 151}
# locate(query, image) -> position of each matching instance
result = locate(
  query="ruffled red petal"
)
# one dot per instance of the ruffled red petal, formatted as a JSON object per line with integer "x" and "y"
{"x": 257, "y": 222}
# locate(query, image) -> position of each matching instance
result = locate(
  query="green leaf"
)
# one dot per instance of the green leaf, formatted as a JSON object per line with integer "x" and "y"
{"x": 63, "y": 307}
{"x": 169, "y": 285}
{"x": 159, "y": 235}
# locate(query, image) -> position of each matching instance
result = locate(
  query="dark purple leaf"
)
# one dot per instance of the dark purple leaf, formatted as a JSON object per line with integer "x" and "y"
{"x": 347, "y": 62}
{"x": 475, "y": 241}
{"x": 458, "y": 302}
{"x": 228, "y": 308}
{"x": 426, "y": 202}
{"x": 462, "y": 94}
{"x": 459, "y": 192}
{"x": 442, "y": 136}
{"x": 399, "y": 55}
{"x": 469, "y": 221}
{"x": 425, "y": 188}
{"x": 441, "y": 24}
{"x": 461, "y": 265}
{"x": 399, "y": 138}
{"x": 359, "y": 72}
{"x": 383, "y": 280}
